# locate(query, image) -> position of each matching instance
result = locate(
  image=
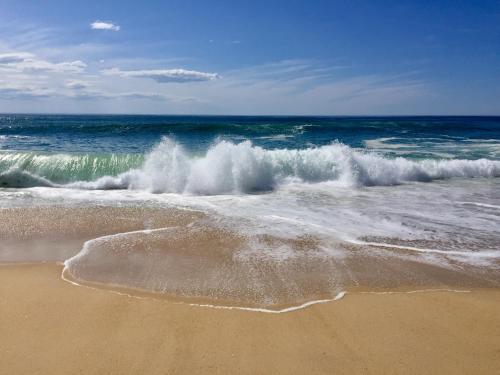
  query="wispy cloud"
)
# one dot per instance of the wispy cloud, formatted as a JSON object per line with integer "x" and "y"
{"x": 24, "y": 76}
{"x": 90, "y": 95}
{"x": 104, "y": 25}
{"x": 78, "y": 90}
{"x": 294, "y": 75}
{"x": 76, "y": 84}
{"x": 9, "y": 93}
{"x": 41, "y": 65}
{"x": 164, "y": 75}
{"x": 14, "y": 57}
{"x": 26, "y": 36}
{"x": 311, "y": 87}
{"x": 24, "y": 61}
{"x": 282, "y": 87}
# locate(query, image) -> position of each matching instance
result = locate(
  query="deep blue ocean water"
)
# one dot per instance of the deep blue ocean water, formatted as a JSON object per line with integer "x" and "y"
{"x": 138, "y": 134}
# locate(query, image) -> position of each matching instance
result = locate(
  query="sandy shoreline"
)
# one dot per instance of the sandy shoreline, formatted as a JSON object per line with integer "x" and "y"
{"x": 50, "y": 326}
{"x": 191, "y": 255}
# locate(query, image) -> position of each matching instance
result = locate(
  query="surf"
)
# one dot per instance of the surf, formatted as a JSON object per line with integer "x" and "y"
{"x": 231, "y": 168}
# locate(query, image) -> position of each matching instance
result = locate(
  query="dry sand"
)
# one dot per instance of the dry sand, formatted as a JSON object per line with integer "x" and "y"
{"x": 48, "y": 326}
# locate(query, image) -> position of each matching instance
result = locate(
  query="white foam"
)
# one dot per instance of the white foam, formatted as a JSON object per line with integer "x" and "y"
{"x": 469, "y": 254}
{"x": 87, "y": 244}
{"x": 436, "y": 146}
{"x": 229, "y": 168}
{"x": 478, "y": 204}
{"x": 419, "y": 291}
{"x": 304, "y": 305}
{"x": 339, "y": 296}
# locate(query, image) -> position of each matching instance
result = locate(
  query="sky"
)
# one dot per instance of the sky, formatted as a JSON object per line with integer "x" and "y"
{"x": 272, "y": 57}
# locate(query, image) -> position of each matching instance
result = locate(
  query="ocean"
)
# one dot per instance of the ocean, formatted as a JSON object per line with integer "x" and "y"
{"x": 285, "y": 210}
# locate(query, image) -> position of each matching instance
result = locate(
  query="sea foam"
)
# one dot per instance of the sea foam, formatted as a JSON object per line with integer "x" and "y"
{"x": 229, "y": 168}
{"x": 244, "y": 168}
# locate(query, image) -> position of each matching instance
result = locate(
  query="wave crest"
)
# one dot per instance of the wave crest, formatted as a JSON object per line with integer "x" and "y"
{"x": 244, "y": 168}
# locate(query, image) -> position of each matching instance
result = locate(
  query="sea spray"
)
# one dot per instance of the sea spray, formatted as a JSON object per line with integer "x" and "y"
{"x": 244, "y": 168}
{"x": 228, "y": 168}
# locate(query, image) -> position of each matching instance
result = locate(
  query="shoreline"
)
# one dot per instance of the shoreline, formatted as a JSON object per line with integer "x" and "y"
{"x": 275, "y": 309}
{"x": 206, "y": 302}
{"x": 179, "y": 255}
{"x": 63, "y": 329}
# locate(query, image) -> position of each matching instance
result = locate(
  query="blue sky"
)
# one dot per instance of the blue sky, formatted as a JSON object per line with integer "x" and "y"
{"x": 260, "y": 57}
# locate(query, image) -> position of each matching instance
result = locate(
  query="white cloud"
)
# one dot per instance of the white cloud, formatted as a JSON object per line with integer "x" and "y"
{"x": 10, "y": 93}
{"x": 283, "y": 87}
{"x": 104, "y": 25}
{"x": 78, "y": 90}
{"x": 164, "y": 75}
{"x": 76, "y": 84}
{"x": 71, "y": 66}
{"x": 14, "y": 57}
{"x": 304, "y": 87}
{"x": 91, "y": 94}
{"x": 139, "y": 95}
{"x": 24, "y": 61}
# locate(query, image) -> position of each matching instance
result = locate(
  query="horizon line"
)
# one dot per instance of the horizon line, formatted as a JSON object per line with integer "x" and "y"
{"x": 232, "y": 115}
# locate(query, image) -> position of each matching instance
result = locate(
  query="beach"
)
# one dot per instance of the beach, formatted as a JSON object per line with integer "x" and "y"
{"x": 260, "y": 187}
{"x": 51, "y": 326}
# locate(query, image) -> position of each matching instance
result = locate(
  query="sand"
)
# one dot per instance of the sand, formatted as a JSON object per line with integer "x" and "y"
{"x": 48, "y": 326}
{"x": 27, "y": 236}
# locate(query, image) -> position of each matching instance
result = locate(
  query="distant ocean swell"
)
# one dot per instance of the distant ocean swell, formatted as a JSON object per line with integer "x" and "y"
{"x": 229, "y": 168}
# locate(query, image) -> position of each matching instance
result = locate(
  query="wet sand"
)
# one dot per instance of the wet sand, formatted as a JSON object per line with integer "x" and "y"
{"x": 49, "y": 326}
{"x": 191, "y": 255}
{"x": 56, "y": 233}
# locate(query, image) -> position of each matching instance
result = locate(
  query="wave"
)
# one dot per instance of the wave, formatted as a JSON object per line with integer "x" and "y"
{"x": 231, "y": 168}
{"x": 28, "y": 169}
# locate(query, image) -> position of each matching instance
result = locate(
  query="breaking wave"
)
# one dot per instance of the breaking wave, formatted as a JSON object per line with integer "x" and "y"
{"x": 231, "y": 168}
{"x": 29, "y": 169}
